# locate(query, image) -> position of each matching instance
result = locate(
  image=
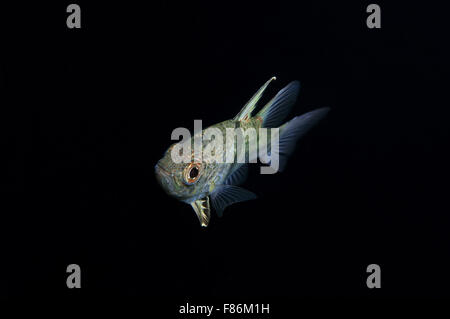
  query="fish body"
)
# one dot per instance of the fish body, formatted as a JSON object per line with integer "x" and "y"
{"x": 201, "y": 179}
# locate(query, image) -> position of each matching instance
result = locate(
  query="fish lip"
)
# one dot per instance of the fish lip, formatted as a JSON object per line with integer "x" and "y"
{"x": 163, "y": 178}
{"x": 163, "y": 170}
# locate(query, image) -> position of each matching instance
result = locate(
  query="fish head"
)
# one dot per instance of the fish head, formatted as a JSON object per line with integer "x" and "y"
{"x": 180, "y": 180}
{"x": 186, "y": 182}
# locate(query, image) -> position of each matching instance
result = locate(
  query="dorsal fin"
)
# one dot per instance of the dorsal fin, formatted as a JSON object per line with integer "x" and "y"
{"x": 274, "y": 112}
{"x": 251, "y": 104}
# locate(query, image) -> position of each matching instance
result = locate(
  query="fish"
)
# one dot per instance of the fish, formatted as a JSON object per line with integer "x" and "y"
{"x": 203, "y": 183}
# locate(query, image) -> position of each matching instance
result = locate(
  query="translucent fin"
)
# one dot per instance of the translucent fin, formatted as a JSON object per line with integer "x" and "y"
{"x": 250, "y": 106}
{"x": 291, "y": 131}
{"x": 238, "y": 176}
{"x": 274, "y": 112}
{"x": 225, "y": 195}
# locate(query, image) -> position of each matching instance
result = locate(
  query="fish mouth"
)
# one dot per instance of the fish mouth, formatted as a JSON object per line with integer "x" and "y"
{"x": 162, "y": 170}
{"x": 164, "y": 178}
{"x": 201, "y": 206}
{"x": 202, "y": 209}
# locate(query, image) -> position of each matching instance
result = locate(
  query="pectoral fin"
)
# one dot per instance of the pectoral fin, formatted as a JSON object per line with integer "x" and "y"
{"x": 202, "y": 209}
{"x": 225, "y": 195}
{"x": 238, "y": 176}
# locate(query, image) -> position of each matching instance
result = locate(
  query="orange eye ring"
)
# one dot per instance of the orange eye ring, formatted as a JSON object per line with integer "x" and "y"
{"x": 192, "y": 173}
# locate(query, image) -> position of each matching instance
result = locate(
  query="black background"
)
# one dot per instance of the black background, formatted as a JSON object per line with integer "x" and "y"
{"x": 86, "y": 113}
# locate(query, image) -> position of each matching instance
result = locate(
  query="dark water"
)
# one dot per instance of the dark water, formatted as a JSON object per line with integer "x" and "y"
{"x": 87, "y": 113}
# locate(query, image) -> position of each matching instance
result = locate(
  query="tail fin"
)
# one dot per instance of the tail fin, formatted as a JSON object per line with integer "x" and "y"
{"x": 276, "y": 110}
{"x": 293, "y": 130}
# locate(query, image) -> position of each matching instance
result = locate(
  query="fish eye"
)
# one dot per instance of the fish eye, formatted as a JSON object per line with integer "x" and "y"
{"x": 192, "y": 173}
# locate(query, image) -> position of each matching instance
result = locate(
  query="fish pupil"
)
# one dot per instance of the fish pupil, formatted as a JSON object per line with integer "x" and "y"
{"x": 193, "y": 172}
